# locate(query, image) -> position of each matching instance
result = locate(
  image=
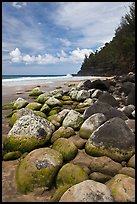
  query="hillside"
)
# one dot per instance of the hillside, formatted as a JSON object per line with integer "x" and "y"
{"x": 116, "y": 57}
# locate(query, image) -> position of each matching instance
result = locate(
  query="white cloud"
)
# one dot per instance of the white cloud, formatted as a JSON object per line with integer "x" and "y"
{"x": 16, "y": 55}
{"x": 75, "y": 56}
{"x": 19, "y": 5}
{"x": 94, "y": 21}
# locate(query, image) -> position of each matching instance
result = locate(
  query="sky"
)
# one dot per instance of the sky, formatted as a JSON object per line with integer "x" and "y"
{"x": 54, "y": 37}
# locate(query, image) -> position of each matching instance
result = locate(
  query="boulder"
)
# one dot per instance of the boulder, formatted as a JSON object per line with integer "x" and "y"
{"x": 82, "y": 95}
{"x": 42, "y": 97}
{"x": 34, "y": 106}
{"x": 66, "y": 148}
{"x": 20, "y": 103}
{"x": 86, "y": 85}
{"x": 11, "y": 155}
{"x": 87, "y": 191}
{"x": 35, "y": 92}
{"x": 96, "y": 93}
{"x": 127, "y": 171}
{"x": 78, "y": 141}
{"x": 106, "y": 109}
{"x": 73, "y": 94}
{"x": 52, "y": 102}
{"x": 99, "y": 84}
{"x": 131, "y": 97}
{"x": 122, "y": 188}
{"x": 73, "y": 119}
{"x": 70, "y": 174}
{"x": 104, "y": 165}
{"x": 90, "y": 124}
{"x": 29, "y": 132}
{"x": 45, "y": 108}
{"x": 113, "y": 139}
{"x": 131, "y": 162}
{"x": 38, "y": 169}
{"x": 19, "y": 113}
{"x": 99, "y": 177}
{"x": 108, "y": 98}
{"x": 64, "y": 132}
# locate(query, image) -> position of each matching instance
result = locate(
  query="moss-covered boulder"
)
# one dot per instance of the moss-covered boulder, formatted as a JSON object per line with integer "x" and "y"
{"x": 34, "y": 106}
{"x": 66, "y": 98}
{"x": 19, "y": 113}
{"x": 8, "y": 105}
{"x": 29, "y": 132}
{"x": 35, "y": 92}
{"x": 113, "y": 139}
{"x": 11, "y": 155}
{"x": 38, "y": 169}
{"x": 66, "y": 148}
{"x": 52, "y": 102}
{"x": 42, "y": 97}
{"x": 73, "y": 119}
{"x": 41, "y": 114}
{"x": 20, "y": 103}
{"x": 64, "y": 132}
{"x": 91, "y": 124}
{"x": 52, "y": 112}
{"x": 70, "y": 174}
{"x": 45, "y": 108}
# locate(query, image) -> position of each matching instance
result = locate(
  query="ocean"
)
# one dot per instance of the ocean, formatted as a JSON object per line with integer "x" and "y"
{"x": 20, "y": 80}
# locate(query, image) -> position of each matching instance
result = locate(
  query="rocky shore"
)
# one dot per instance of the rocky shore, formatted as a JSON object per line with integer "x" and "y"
{"x": 71, "y": 145}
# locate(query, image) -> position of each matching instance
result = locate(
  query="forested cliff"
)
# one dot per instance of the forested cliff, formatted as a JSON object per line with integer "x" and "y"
{"x": 116, "y": 57}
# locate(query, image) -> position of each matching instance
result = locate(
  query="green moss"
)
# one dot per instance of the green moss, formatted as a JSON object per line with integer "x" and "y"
{"x": 13, "y": 119}
{"x": 66, "y": 98}
{"x": 41, "y": 114}
{"x": 29, "y": 177}
{"x": 53, "y": 112}
{"x": 70, "y": 174}
{"x": 62, "y": 132}
{"x": 59, "y": 192}
{"x": 67, "y": 102}
{"x": 8, "y": 105}
{"x": 66, "y": 148}
{"x": 35, "y": 93}
{"x": 11, "y": 113}
{"x": 34, "y": 106}
{"x": 23, "y": 144}
{"x": 115, "y": 154}
{"x": 11, "y": 155}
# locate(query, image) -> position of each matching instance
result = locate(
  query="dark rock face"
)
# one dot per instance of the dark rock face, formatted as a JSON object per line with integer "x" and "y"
{"x": 106, "y": 109}
{"x": 99, "y": 84}
{"x": 131, "y": 97}
{"x": 114, "y": 133}
{"x": 108, "y": 98}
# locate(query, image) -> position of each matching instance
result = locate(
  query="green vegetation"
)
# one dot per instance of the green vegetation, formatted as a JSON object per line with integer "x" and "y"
{"x": 118, "y": 56}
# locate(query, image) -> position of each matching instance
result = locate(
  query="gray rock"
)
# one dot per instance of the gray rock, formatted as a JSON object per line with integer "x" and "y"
{"x": 106, "y": 109}
{"x": 90, "y": 124}
{"x": 128, "y": 110}
{"x": 122, "y": 188}
{"x": 73, "y": 94}
{"x": 131, "y": 124}
{"x": 20, "y": 103}
{"x": 73, "y": 119}
{"x": 82, "y": 95}
{"x": 87, "y": 191}
{"x": 96, "y": 93}
{"x": 108, "y": 98}
{"x": 52, "y": 102}
{"x": 113, "y": 139}
{"x": 28, "y": 132}
{"x": 99, "y": 177}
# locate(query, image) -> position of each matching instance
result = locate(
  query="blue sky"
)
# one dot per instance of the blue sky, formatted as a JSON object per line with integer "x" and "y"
{"x": 53, "y": 37}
